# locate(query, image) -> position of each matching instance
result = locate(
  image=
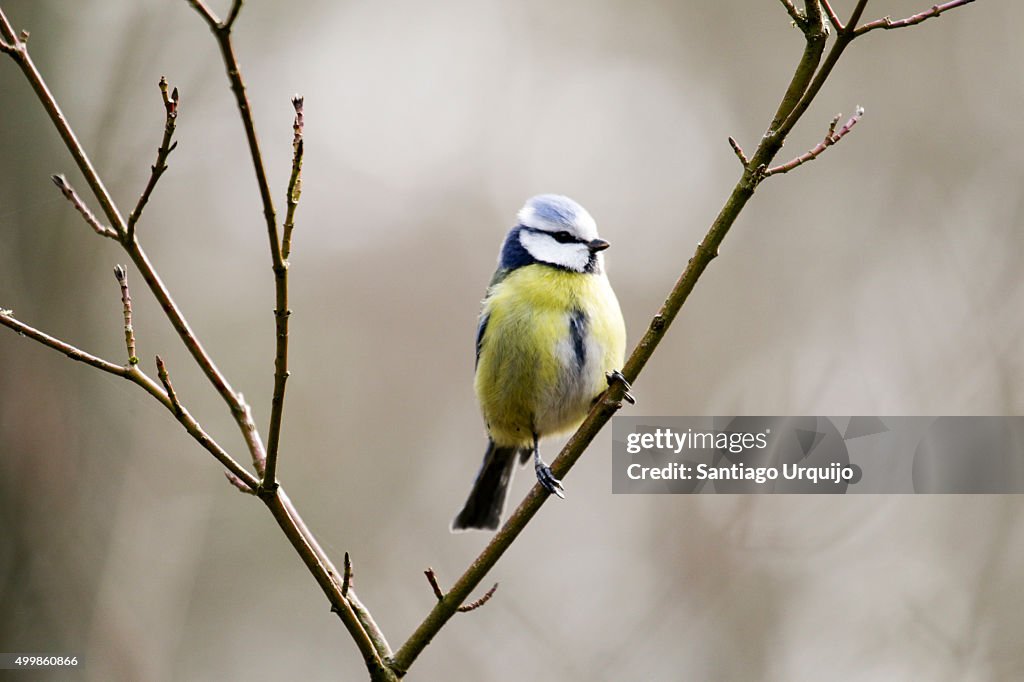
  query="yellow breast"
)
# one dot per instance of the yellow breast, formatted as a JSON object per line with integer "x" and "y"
{"x": 533, "y": 374}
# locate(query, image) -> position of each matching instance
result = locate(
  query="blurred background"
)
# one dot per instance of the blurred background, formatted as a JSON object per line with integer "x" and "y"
{"x": 881, "y": 279}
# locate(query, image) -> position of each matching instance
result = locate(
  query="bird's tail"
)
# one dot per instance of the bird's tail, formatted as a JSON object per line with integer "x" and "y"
{"x": 486, "y": 500}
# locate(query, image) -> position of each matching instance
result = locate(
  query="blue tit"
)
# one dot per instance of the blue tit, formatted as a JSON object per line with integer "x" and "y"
{"x": 549, "y": 333}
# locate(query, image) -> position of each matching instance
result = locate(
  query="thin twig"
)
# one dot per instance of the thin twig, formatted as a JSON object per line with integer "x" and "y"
{"x": 206, "y": 13}
{"x": 8, "y": 320}
{"x": 473, "y": 606}
{"x": 236, "y": 7}
{"x": 889, "y": 23}
{"x": 263, "y": 460}
{"x": 465, "y": 608}
{"x": 346, "y": 581}
{"x": 20, "y": 54}
{"x": 165, "y": 379}
{"x": 432, "y": 579}
{"x": 831, "y": 137}
{"x": 798, "y": 18}
{"x": 126, "y": 300}
{"x": 295, "y": 181}
{"x": 238, "y": 408}
{"x": 739, "y": 151}
{"x": 281, "y": 312}
{"x": 69, "y": 192}
{"x": 165, "y": 149}
{"x": 832, "y": 16}
{"x": 134, "y": 374}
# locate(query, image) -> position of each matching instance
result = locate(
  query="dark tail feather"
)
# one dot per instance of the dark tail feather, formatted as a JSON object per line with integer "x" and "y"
{"x": 487, "y": 498}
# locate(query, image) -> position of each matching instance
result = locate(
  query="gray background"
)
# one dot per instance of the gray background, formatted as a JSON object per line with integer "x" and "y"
{"x": 881, "y": 279}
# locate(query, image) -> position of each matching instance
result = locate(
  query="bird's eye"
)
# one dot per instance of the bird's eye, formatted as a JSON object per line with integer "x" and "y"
{"x": 563, "y": 237}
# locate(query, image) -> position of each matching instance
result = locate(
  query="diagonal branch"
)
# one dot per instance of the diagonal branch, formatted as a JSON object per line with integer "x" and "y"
{"x": 239, "y": 409}
{"x": 806, "y": 83}
{"x": 17, "y": 48}
{"x": 889, "y": 23}
{"x": 832, "y": 16}
{"x": 831, "y": 137}
{"x": 134, "y": 374}
{"x": 71, "y": 195}
{"x": 165, "y": 149}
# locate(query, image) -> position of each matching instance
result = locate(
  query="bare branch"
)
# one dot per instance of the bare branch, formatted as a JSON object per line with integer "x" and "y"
{"x": 798, "y": 19}
{"x": 346, "y": 582}
{"x": 236, "y": 7}
{"x": 465, "y": 608}
{"x": 165, "y": 379}
{"x": 19, "y": 53}
{"x": 295, "y": 181}
{"x": 134, "y": 374}
{"x": 889, "y": 23}
{"x": 432, "y": 579}
{"x": 472, "y": 606}
{"x": 165, "y": 149}
{"x": 126, "y": 300}
{"x": 239, "y": 483}
{"x": 281, "y": 311}
{"x": 71, "y": 195}
{"x": 206, "y": 13}
{"x": 831, "y": 137}
{"x": 7, "y": 319}
{"x": 739, "y": 151}
{"x": 832, "y": 16}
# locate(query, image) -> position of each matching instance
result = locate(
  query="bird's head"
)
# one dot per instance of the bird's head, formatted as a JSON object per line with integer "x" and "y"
{"x": 556, "y": 230}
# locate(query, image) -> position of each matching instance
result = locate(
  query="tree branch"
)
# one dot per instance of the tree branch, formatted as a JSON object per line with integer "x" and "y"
{"x": 295, "y": 181}
{"x": 888, "y": 23}
{"x": 222, "y": 32}
{"x": 165, "y": 149}
{"x": 831, "y": 137}
{"x": 71, "y": 195}
{"x": 17, "y": 48}
{"x": 126, "y": 301}
{"x": 134, "y": 374}
{"x": 282, "y": 313}
{"x": 237, "y": 405}
{"x": 832, "y": 16}
{"x": 803, "y": 87}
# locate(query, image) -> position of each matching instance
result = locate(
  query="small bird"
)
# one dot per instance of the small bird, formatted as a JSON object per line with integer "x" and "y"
{"x": 549, "y": 339}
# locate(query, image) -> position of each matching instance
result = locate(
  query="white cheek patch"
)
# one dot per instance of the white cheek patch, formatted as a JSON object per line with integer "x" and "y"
{"x": 544, "y": 248}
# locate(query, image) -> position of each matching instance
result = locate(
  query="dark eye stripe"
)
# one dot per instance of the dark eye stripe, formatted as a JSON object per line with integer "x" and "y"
{"x": 564, "y": 238}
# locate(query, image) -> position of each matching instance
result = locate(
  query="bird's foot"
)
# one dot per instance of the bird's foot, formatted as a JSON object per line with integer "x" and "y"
{"x": 547, "y": 479}
{"x": 615, "y": 376}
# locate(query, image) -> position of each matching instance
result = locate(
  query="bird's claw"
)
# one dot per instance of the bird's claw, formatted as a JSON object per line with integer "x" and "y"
{"x": 548, "y": 480}
{"x": 615, "y": 376}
